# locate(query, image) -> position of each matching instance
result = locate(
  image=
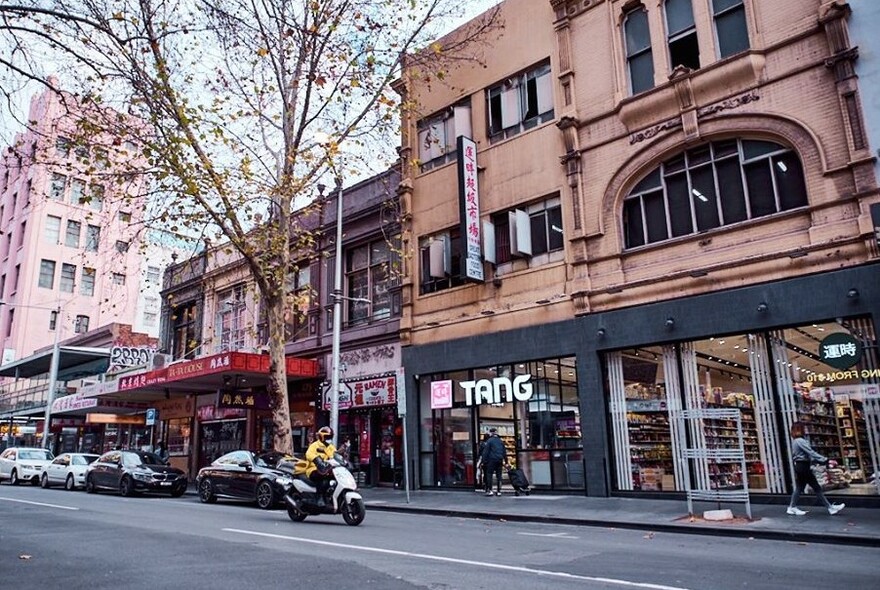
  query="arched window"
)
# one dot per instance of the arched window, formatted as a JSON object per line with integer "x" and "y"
{"x": 712, "y": 185}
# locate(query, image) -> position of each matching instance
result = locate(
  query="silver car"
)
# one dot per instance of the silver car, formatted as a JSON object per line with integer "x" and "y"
{"x": 24, "y": 464}
{"x": 68, "y": 469}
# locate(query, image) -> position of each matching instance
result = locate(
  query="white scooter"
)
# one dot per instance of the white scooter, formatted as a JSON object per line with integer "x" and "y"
{"x": 301, "y": 495}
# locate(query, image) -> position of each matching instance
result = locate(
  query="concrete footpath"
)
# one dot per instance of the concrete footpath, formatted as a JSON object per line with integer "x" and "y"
{"x": 852, "y": 526}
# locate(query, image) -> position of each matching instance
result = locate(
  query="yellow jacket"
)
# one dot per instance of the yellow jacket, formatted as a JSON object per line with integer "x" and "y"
{"x": 318, "y": 450}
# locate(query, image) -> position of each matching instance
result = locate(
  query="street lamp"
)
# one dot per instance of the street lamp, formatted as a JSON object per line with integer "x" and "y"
{"x": 337, "y": 316}
{"x": 53, "y": 365}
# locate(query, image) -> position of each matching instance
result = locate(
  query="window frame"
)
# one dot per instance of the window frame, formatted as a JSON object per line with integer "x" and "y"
{"x": 231, "y": 324}
{"x": 721, "y": 191}
{"x": 524, "y": 92}
{"x": 725, "y": 13}
{"x": 45, "y": 266}
{"x": 72, "y": 233}
{"x": 51, "y": 231}
{"x": 454, "y": 260}
{"x": 87, "y": 281}
{"x": 676, "y": 40}
{"x": 67, "y": 278}
{"x": 93, "y": 237}
{"x": 638, "y": 53}
{"x": 371, "y": 310}
{"x": 183, "y": 330}
{"x": 81, "y": 324}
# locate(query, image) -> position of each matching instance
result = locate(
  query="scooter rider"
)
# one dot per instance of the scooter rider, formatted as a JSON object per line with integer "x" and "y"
{"x": 318, "y": 453}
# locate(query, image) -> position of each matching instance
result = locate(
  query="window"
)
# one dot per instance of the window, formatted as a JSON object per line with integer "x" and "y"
{"x": 124, "y": 216}
{"x": 520, "y": 102}
{"x": 11, "y": 317}
{"x": 368, "y": 276}
{"x": 183, "y": 330}
{"x": 530, "y": 231}
{"x": 87, "y": 282}
{"x": 82, "y": 152}
{"x": 81, "y": 326}
{"x": 47, "y": 274}
{"x": 71, "y": 236}
{"x": 231, "y": 308}
{"x": 682, "y": 34}
{"x": 22, "y": 230}
{"x": 438, "y": 135}
{"x": 639, "y": 57}
{"x": 121, "y": 246}
{"x": 153, "y": 275}
{"x": 730, "y": 26}
{"x": 53, "y": 320}
{"x": 77, "y": 192}
{"x": 62, "y": 146}
{"x": 2, "y": 285}
{"x": 299, "y": 292}
{"x": 57, "y": 186}
{"x": 68, "y": 278}
{"x": 93, "y": 237}
{"x": 710, "y": 186}
{"x": 17, "y": 274}
{"x": 52, "y": 230}
{"x": 118, "y": 278}
{"x": 151, "y": 311}
{"x": 97, "y": 200}
{"x": 440, "y": 257}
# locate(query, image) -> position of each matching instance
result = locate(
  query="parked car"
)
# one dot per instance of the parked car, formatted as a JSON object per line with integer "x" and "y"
{"x": 23, "y": 464}
{"x": 132, "y": 471}
{"x": 243, "y": 475}
{"x": 68, "y": 469}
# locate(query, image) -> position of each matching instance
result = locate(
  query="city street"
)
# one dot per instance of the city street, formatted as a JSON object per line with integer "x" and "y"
{"x": 54, "y": 539}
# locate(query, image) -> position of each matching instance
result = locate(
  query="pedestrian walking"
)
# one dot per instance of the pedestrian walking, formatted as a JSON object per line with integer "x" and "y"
{"x": 162, "y": 451}
{"x": 494, "y": 455}
{"x": 803, "y": 455}
{"x": 481, "y": 468}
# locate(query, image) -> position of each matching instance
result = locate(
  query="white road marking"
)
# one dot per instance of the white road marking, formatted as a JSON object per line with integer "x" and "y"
{"x": 554, "y": 535}
{"x": 496, "y": 566}
{"x": 41, "y": 504}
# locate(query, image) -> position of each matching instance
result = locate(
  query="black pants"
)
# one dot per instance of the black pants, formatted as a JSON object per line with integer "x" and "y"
{"x": 803, "y": 477}
{"x": 493, "y": 468}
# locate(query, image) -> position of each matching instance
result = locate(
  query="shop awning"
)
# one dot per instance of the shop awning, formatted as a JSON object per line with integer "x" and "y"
{"x": 74, "y": 362}
{"x": 228, "y": 370}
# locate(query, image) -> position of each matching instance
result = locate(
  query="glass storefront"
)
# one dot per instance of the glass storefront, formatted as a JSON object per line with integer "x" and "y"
{"x": 824, "y": 375}
{"x": 534, "y": 408}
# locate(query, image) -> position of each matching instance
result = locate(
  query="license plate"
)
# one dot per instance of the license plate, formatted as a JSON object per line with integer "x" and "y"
{"x": 164, "y": 483}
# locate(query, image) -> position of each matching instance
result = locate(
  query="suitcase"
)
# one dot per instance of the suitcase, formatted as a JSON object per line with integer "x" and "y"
{"x": 519, "y": 481}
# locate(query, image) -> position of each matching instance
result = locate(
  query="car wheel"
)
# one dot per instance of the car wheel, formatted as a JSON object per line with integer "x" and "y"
{"x": 69, "y": 484}
{"x": 44, "y": 481}
{"x": 206, "y": 492}
{"x": 265, "y": 495}
{"x": 90, "y": 485}
{"x": 13, "y": 478}
{"x": 125, "y": 487}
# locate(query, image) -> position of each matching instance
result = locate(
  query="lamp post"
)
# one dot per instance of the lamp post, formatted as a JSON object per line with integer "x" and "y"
{"x": 53, "y": 365}
{"x": 337, "y": 316}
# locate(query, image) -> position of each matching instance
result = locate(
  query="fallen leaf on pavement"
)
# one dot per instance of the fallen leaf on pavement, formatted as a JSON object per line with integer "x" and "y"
{"x": 649, "y": 536}
{"x": 24, "y": 556}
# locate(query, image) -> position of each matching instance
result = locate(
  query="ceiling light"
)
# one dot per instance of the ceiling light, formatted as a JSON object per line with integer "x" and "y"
{"x": 700, "y": 195}
{"x": 782, "y": 166}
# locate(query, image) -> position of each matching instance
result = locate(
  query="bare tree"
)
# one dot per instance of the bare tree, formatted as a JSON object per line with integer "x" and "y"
{"x": 240, "y": 107}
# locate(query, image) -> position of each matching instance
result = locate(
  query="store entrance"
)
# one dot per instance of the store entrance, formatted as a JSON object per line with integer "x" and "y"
{"x": 373, "y": 443}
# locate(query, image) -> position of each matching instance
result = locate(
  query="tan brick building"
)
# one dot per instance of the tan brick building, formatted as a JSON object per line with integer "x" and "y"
{"x": 672, "y": 212}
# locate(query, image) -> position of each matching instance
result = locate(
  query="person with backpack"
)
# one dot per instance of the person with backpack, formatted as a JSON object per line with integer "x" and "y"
{"x": 493, "y": 457}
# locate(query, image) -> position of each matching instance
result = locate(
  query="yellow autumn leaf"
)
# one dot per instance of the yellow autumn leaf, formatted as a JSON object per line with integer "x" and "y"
{"x": 262, "y": 52}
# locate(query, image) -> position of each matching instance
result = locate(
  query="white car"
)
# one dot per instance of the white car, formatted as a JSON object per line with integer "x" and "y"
{"x": 23, "y": 464}
{"x": 68, "y": 469}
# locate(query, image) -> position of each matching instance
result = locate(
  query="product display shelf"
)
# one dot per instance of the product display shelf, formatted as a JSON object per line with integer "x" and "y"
{"x": 853, "y": 438}
{"x": 818, "y": 416}
{"x": 722, "y": 434}
{"x": 650, "y": 447}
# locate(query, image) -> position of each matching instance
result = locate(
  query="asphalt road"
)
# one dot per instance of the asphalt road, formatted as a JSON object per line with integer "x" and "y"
{"x": 57, "y": 539}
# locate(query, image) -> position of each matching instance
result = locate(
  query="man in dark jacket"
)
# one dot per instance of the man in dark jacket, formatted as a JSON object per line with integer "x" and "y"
{"x": 494, "y": 455}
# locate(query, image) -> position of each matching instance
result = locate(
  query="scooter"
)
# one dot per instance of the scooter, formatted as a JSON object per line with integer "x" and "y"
{"x": 301, "y": 495}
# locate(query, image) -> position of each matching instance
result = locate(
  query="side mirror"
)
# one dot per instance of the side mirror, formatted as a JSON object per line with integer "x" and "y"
{"x": 246, "y": 465}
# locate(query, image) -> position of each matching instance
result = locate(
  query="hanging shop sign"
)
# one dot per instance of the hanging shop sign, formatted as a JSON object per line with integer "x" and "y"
{"x": 498, "y": 390}
{"x": 248, "y": 400}
{"x": 840, "y": 350}
{"x": 469, "y": 199}
{"x": 360, "y": 393}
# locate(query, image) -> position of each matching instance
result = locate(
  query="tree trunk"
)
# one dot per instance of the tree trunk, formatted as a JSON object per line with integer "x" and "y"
{"x": 282, "y": 440}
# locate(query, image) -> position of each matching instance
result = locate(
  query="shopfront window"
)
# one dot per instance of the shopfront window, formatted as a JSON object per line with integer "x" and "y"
{"x": 773, "y": 379}
{"x": 533, "y": 406}
{"x": 179, "y": 436}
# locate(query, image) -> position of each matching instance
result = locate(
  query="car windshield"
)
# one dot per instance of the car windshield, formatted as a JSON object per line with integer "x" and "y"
{"x": 83, "y": 459}
{"x": 151, "y": 459}
{"x": 35, "y": 455}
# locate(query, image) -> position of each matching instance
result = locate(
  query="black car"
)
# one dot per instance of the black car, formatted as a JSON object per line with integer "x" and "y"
{"x": 129, "y": 472}
{"x": 243, "y": 475}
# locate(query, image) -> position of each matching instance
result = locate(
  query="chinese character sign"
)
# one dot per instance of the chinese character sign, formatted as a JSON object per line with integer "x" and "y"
{"x": 840, "y": 350}
{"x": 441, "y": 395}
{"x": 469, "y": 198}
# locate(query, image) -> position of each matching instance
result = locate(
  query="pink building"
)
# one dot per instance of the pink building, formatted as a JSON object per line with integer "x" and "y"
{"x": 69, "y": 217}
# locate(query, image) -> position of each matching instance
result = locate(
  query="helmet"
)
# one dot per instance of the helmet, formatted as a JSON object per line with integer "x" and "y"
{"x": 325, "y": 433}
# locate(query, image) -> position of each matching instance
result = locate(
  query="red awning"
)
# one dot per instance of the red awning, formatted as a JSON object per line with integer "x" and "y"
{"x": 236, "y": 369}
